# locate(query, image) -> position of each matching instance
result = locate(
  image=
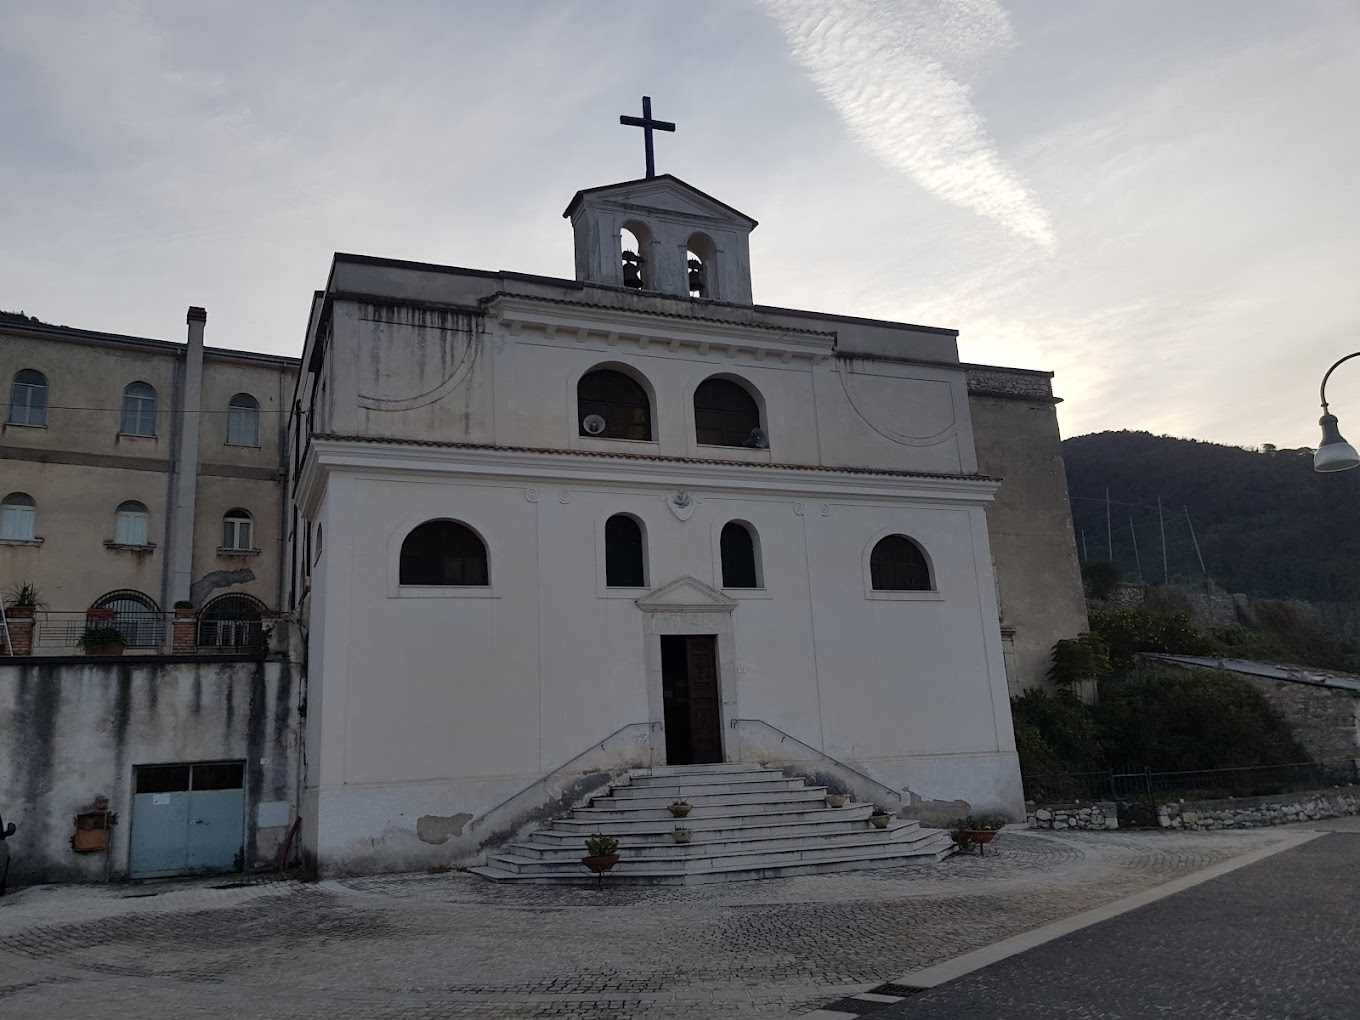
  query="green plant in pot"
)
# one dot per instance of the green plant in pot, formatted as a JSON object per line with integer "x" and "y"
{"x": 679, "y": 808}
{"x": 880, "y": 818}
{"x": 601, "y": 853}
{"x": 835, "y": 800}
{"x": 977, "y": 830}
{"x": 23, "y": 600}
{"x": 681, "y": 834}
{"x": 102, "y": 640}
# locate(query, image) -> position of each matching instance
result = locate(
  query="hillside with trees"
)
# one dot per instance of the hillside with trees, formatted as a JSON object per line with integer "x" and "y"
{"x": 1266, "y": 523}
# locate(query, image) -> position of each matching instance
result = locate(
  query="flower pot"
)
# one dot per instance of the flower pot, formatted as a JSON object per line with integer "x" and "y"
{"x": 981, "y": 835}
{"x": 599, "y": 865}
{"x": 880, "y": 821}
{"x": 835, "y": 800}
{"x": 682, "y": 835}
{"x": 185, "y": 614}
{"x": 20, "y": 612}
{"x": 680, "y": 810}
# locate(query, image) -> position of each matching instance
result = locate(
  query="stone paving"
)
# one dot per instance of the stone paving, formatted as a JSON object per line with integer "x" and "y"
{"x": 454, "y": 946}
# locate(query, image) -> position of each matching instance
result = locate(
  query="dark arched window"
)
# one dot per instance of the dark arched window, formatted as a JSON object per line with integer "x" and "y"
{"x": 443, "y": 553}
{"x": 28, "y": 398}
{"x": 699, "y": 256}
{"x": 136, "y": 616}
{"x": 616, "y": 398}
{"x": 897, "y": 564}
{"x": 624, "y": 554}
{"x": 231, "y": 621}
{"x": 725, "y": 414}
{"x": 737, "y": 545}
{"x": 139, "y": 410}
{"x": 243, "y": 421}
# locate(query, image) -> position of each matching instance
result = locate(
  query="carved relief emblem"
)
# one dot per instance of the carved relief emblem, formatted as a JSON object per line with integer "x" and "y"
{"x": 681, "y": 504}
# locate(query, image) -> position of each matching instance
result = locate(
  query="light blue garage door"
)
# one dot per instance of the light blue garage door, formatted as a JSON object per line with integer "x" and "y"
{"x": 187, "y": 819}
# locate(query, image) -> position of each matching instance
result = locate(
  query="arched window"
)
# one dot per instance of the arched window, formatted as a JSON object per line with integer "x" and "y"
{"x": 634, "y": 241}
{"x": 699, "y": 264}
{"x": 238, "y": 530}
{"x": 618, "y": 399}
{"x": 725, "y": 414}
{"x": 443, "y": 553}
{"x": 18, "y": 514}
{"x": 28, "y": 398}
{"x": 136, "y": 616}
{"x": 139, "y": 410}
{"x": 243, "y": 421}
{"x": 130, "y": 524}
{"x": 898, "y": 564}
{"x": 740, "y": 566}
{"x": 624, "y": 554}
{"x": 231, "y": 621}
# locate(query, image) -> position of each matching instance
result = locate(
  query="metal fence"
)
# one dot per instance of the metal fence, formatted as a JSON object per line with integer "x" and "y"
{"x": 1143, "y": 784}
{"x": 64, "y": 630}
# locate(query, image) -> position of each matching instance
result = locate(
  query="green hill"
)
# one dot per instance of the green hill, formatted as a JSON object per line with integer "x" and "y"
{"x": 1267, "y": 524}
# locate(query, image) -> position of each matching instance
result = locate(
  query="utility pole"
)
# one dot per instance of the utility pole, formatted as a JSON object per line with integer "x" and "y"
{"x": 1109, "y": 532}
{"x": 1137, "y": 560}
{"x": 1161, "y": 519}
{"x": 1191, "y": 523}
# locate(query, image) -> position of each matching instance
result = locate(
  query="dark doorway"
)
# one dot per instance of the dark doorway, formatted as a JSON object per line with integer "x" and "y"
{"x": 689, "y": 688}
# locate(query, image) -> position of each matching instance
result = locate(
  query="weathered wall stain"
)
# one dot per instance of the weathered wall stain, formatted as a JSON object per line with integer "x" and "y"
{"x": 437, "y": 829}
{"x": 209, "y": 583}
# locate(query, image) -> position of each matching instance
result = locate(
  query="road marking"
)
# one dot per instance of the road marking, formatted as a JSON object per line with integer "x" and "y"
{"x": 938, "y": 974}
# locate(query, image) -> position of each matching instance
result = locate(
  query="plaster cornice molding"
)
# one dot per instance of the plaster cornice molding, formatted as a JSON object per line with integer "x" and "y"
{"x": 568, "y": 322}
{"x": 571, "y": 469}
{"x": 686, "y": 595}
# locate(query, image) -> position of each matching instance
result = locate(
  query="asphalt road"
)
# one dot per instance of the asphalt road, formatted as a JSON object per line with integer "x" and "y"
{"x": 1276, "y": 940}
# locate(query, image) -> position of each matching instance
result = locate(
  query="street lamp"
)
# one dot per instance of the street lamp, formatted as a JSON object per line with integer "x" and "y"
{"x": 1333, "y": 453}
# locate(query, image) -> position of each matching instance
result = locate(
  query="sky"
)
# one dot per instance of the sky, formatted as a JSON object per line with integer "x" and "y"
{"x": 1158, "y": 200}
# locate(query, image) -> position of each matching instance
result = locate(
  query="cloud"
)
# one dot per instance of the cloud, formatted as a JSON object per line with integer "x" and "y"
{"x": 900, "y": 75}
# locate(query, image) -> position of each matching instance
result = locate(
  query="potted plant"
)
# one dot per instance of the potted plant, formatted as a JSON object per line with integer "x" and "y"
{"x": 102, "y": 640}
{"x": 880, "y": 818}
{"x": 978, "y": 830}
{"x": 681, "y": 835}
{"x": 184, "y": 610}
{"x": 679, "y": 808}
{"x": 835, "y": 800}
{"x": 601, "y": 853}
{"x": 23, "y": 600}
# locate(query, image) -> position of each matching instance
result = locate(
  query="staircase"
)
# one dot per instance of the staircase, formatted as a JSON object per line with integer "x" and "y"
{"x": 749, "y": 821}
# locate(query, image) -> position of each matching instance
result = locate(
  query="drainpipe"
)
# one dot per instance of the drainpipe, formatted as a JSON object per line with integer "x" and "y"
{"x": 282, "y": 480}
{"x": 186, "y": 484}
{"x": 167, "y": 527}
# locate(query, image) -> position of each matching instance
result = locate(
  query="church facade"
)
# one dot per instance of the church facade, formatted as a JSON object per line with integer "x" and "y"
{"x": 547, "y": 530}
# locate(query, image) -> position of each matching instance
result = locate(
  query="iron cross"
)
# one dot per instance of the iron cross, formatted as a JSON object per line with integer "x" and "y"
{"x": 648, "y": 126}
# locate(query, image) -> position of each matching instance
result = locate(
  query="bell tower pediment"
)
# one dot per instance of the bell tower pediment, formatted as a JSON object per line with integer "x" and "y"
{"x": 661, "y": 235}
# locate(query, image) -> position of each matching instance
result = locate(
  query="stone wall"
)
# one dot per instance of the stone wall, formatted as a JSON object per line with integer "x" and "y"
{"x": 1101, "y": 814}
{"x": 1325, "y": 720}
{"x": 1254, "y": 812}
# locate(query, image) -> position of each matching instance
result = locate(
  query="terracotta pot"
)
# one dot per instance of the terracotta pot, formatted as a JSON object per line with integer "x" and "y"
{"x": 981, "y": 835}
{"x": 20, "y": 612}
{"x": 835, "y": 800}
{"x": 185, "y": 614}
{"x": 680, "y": 810}
{"x": 599, "y": 865}
{"x": 880, "y": 821}
{"x": 682, "y": 835}
{"x": 99, "y": 614}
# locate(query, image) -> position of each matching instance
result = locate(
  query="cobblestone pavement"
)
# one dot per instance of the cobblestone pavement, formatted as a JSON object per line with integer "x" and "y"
{"x": 453, "y": 946}
{"x": 1276, "y": 940}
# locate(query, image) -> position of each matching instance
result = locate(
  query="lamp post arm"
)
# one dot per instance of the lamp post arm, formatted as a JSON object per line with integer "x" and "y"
{"x": 1339, "y": 363}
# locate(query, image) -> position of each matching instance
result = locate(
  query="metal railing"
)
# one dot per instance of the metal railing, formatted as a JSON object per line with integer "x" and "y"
{"x": 1143, "y": 784}
{"x": 64, "y": 630}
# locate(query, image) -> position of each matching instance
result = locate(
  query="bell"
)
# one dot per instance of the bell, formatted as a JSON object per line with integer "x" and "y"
{"x": 1333, "y": 453}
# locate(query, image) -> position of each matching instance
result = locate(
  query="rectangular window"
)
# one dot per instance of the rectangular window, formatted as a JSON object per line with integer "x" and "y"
{"x": 28, "y": 404}
{"x": 236, "y": 533}
{"x": 243, "y": 426}
{"x": 139, "y": 416}
{"x": 130, "y": 529}
{"x": 16, "y": 522}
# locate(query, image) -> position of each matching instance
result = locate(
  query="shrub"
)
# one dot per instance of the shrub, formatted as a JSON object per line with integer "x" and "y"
{"x": 100, "y": 637}
{"x": 1126, "y": 632}
{"x": 1055, "y": 732}
{"x": 1100, "y": 579}
{"x": 1191, "y": 719}
{"x": 601, "y": 846}
{"x": 1083, "y": 657}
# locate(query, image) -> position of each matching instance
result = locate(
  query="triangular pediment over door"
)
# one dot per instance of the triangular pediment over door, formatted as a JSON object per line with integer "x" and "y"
{"x": 686, "y": 595}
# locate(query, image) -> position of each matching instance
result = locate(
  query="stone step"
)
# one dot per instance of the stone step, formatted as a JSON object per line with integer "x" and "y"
{"x": 935, "y": 850}
{"x": 703, "y": 770}
{"x": 608, "y": 808}
{"x": 635, "y": 798}
{"x": 663, "y": 844}
{"x": 660, "y": 831}
{"x": 591, "y": 820}
{"x": 694, "y": 780}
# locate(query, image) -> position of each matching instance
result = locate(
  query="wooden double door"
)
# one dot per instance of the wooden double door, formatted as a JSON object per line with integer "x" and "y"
{"x": 689, "y": 690}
